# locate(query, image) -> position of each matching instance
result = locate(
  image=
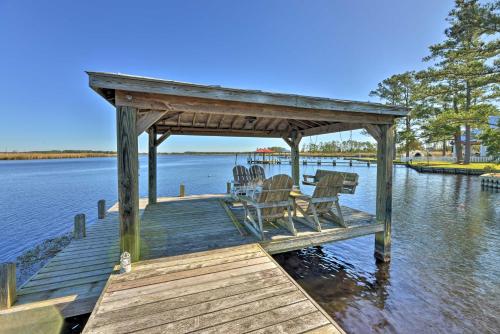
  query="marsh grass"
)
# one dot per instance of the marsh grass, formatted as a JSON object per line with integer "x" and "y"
{"x": 53, "y": 155}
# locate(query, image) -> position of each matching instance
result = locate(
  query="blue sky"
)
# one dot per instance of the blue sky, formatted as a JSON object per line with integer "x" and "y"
{"x": 333, "y": 48}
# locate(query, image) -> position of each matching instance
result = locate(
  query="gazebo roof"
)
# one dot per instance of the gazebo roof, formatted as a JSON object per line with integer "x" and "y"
{"x": 192, "y": 109}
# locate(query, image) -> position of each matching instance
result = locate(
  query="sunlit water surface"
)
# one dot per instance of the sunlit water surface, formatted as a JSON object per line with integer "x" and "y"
{"x": 444, "y": 276}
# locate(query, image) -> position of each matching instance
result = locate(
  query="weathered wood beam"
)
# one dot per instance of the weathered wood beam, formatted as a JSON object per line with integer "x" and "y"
{"x": 162, "y": 138}
{"x": 220, "y": 122}
{"x": 298, "y": 123}
{"x": 233, "y": 121}
{"x": 273, "y": 124}
{"x": 385, "y": 149}
{"x": 258, "y": 122}
{"x": 122, "y": 82}
{"x": 208, "y": 120}
{"x": 330, "y": 128}
{"x": 293, "y": 140}
{"x": 189, "y": 104}
{"x": 128, "y": 180}
{"x": 373, "y": 130}
{"x": 220, "y": 132}
{"x": 147, "y": 119}
{"x": 263, "y": 122}
{"x": 152, "y": 165}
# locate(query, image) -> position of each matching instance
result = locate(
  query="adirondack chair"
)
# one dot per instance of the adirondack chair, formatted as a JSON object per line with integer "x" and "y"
{"x": 270, "y": 204}
{"x": 350, "y": 180}
{"x": 242, "y": 181}
{"x": 257, "y": 174}
{"x": 325, "y": 195}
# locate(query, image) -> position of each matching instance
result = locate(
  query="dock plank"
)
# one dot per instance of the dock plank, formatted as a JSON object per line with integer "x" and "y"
{"x": 218, "y": 297}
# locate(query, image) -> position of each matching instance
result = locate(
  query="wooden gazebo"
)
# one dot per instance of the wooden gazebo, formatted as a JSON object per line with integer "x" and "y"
{"x": 164, "y": 108}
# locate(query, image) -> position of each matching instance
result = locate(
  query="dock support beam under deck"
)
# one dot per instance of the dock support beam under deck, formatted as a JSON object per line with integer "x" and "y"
{"x": 128, "y": 183}
{"x": 293, "y": 141}
{"x": 385, "y": 152}
{"x": 152, "y": 154}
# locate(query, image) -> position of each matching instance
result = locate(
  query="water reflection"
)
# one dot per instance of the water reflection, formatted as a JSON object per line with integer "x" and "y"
{"x": 444, "y": 276}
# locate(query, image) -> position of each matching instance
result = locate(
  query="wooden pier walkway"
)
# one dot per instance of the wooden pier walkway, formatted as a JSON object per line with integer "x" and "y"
{"x": 71, "y": 283}
{"x": 231, "y": 290}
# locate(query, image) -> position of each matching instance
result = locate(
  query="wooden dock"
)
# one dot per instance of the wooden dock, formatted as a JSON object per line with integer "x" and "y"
{"x": 490, "y": 180}
{"x": 71, "y": 283}
{"x": 230, "y": 290}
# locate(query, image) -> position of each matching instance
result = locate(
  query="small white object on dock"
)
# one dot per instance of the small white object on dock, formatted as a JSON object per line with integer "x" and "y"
{"x": 125, "y": 263}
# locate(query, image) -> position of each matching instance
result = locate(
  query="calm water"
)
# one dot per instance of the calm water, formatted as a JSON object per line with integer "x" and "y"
{"x": 445, "y": 270}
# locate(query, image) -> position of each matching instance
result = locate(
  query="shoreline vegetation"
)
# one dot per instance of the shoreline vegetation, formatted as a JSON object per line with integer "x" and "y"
{"x": 77, "y": 154}
{"x": 479, "y": 166}
{"x": 66, "y": 154}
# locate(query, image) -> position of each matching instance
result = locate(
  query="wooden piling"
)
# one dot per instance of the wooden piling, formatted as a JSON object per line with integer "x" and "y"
{"x": 152, "y": 163}
{"x": 128, "y": 180}
{"x": 79, "y": 227}
{"x": 228, "y": 187}
{"x": 101, "y": 209}
{"x": 7, "y": 285}
{"x": 182, "y": 190}
{"x": 385, "y": 151}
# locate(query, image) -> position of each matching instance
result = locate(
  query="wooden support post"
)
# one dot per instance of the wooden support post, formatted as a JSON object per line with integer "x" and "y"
{"x": 79, "y": 226}
{"x": 384, "y": 192}
{"x": 128, "y": 184}
{"x": 182, "y": 190}
{"x": 293, "y": 141}
{"x": 152, "y": 159}
{"x": 7, "y": 285}
{"x": 228, "y": 187}
{"x": 101, "y": 209}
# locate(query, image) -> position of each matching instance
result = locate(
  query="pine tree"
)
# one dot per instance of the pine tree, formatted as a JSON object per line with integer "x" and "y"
{"x": 467, "y": 62}
{"x": 400, "y": 89}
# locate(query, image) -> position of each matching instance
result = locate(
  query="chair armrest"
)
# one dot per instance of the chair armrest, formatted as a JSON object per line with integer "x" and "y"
{"x": 307, "y": 176}
{"x": 247, "y": 199}
{"x": 302, "y": 197}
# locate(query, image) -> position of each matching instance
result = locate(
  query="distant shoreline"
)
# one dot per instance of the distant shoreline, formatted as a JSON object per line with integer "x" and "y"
{"x": 76, "y": 154}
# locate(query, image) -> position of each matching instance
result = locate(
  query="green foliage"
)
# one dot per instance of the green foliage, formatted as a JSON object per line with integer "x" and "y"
{"x": 491, "y": 139}
{"x": 333, "y": 146}
{"x": 459, "y": 88}
{"x": 402, "y": 89}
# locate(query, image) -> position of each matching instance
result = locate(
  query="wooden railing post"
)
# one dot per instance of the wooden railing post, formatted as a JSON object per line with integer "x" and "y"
{"x": 228, "y": 187}
{"x": 79, "y": 227}
{"x": 385, "y": 149}
{"x": 101, "y": 209}
{"x": 7, "y": 285}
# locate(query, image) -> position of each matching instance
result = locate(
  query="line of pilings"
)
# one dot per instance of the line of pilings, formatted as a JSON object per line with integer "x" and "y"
{"x": 8, "y": 291}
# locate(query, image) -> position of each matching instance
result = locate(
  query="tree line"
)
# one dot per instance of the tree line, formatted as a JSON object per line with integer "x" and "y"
{"x": 340, "y": 146}
{"x": 458, "y": 90}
